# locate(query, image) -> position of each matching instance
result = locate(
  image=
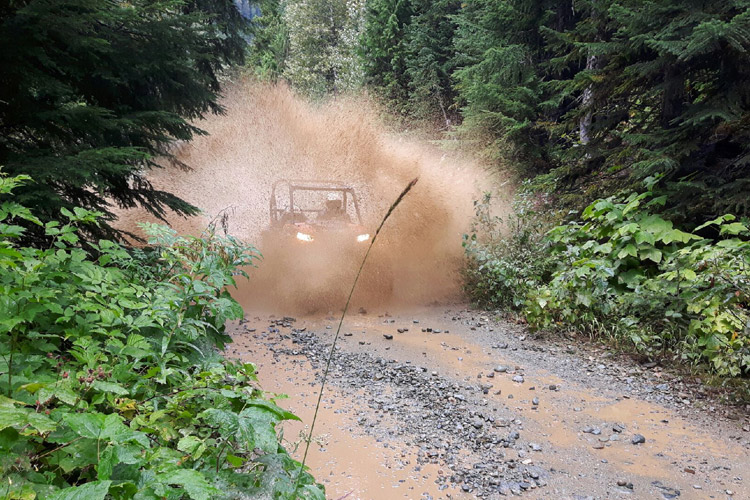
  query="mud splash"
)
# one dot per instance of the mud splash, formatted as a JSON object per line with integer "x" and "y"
{"x": 268, "y": 134}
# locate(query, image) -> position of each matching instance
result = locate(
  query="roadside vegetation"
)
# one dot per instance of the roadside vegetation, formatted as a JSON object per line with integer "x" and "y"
{"x": 112, "y": 382}
{"x": 623, "y": 272}
{"x": 627, "y": 121}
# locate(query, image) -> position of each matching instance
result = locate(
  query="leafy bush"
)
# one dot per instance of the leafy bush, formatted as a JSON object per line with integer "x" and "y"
{"x": 111, "y": 382}
{"x": 508, "y": 256}
{"x": 626, "y": 272}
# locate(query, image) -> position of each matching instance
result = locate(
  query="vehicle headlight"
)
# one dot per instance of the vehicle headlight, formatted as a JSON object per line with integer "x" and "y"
{"x": 304, "y": 237}
{"x": 363, "y": 237}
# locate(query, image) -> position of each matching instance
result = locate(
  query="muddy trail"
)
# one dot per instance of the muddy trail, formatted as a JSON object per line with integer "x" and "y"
{"x": 434, "y": 401}
{"x": 445, "y": 402}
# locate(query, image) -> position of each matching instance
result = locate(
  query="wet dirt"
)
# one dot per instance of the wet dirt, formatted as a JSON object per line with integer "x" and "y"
{"x": 575, "y": 426}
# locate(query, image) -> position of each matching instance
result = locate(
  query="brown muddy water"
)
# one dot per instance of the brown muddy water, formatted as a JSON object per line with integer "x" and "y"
{"x": 269, "y": 134}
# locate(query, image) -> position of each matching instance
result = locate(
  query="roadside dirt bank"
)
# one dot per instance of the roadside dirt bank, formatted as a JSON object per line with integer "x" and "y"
{"x": 477, "y": 408}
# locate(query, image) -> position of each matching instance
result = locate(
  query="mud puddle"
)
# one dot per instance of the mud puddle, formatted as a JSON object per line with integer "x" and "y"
{"x": 455, "y": 405}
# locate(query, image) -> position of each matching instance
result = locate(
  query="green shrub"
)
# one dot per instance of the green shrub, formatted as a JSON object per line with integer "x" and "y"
{"x": 111, "y": 382}
{"x": 626, "y": 272}
{"x": 508, "y": 256}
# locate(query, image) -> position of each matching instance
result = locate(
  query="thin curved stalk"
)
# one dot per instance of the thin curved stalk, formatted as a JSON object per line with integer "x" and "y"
{"x": 343, "y": 315}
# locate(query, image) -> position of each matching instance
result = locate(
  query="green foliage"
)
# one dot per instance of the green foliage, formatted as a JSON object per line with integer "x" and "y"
{"x": 670, "y": 97}
{"x": 110, "y": 379}
{"x": 92, "y": 92}
{"x": 593, "y": 95}
{"x": 408, "y": 55}
{"x": 430, "y": 58}
{"x": 498, "y": 78}
{"x": 323, "y": 43}
{"x": 269, "y": 45}
{"x": 383, "y": 47}
{"x": 625, "y": 272}
{"x": 508, "y": 256}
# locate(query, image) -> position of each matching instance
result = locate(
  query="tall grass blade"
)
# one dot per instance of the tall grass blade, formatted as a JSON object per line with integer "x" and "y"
{"x": 343, "y": 315}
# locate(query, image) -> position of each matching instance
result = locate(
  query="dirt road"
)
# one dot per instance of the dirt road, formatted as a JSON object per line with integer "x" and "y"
{"x": 468, "y": 407}
{"x": 457, "y": 405}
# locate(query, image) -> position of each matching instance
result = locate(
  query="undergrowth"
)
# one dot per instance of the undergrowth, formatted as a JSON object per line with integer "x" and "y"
{"x": 111, "y": 380}
{"x": 623, "y": 272}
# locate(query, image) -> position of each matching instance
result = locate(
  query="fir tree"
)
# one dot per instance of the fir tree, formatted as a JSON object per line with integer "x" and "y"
{"x": 430, "y": 58}
{"x": 93, "y": 92}
{"x": 269, "y": 45}
{"x": 323, "y": 43}
{"x": 672, "y": 100}
{"x": 383, "y": 48}
{"x": 498, "y": 77}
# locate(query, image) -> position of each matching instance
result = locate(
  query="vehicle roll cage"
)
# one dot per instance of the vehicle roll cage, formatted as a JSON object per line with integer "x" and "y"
{"x": 291, "y": 185}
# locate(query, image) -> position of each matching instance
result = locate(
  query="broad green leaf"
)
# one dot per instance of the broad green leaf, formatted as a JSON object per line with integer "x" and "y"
{"x": 630, "y": 278}
{"x": 733, "y": 228}
{"x": 31, "y": 388}
{"x": 110, "y": 387}
{"x": 260, "y": 422}
{"x": 85, "y": 424}
{"x": 677, "y": 235}
{"x": 114, "y": 430}
{"x": 96, "y": 490}
{"x": 11, "y": 416}
{"x": 19, "y": 418}
{"x": 41, "y": 422}
{"x": 689, "y": 274}
{"x": 629, "y": 249}
{"x": 644, "y": 237}
{"x": 717, "y": 220}
{"x": 655, "y": 225}
{"x": 604, "y": 248}
{"x": 61, "y": 391}
{"x": 6, "y": 402}
{"x": 281, "y": 413}
{"x": 189, "y": 444}
{"x": 652, "y": 254}
{"x": 235, "y": 461}
{"x": 192, "y": 481}
{"x": 115, "y": 454}
{"x": 583, "y": 299}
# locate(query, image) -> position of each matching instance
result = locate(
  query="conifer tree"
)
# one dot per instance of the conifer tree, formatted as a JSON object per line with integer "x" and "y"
{"x": 269, "y": 45}
{"x": 498, "y": 79}
{"x": 323, "y": 45}
{"x": 93, "y": 92}
{"x": 383, "y": 48}
{"x": 673, "y": 99}
{"x": 430, "y": 58}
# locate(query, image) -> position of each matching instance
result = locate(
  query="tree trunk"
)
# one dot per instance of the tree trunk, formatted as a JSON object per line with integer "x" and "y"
{"x": 674, "y": 95}
{"x": 587, "y": 102}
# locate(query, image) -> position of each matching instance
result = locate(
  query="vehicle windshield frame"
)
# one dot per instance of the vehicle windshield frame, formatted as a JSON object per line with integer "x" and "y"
{"x": 288, "y": 187}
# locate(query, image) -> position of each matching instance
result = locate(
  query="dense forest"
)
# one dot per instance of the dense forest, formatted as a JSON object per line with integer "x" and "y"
{"x": 588, "y": 97}
{"x": 625, "y": 124}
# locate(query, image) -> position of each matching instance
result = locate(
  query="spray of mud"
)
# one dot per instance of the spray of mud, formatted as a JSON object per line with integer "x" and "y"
{"x": 268, "y": 134}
